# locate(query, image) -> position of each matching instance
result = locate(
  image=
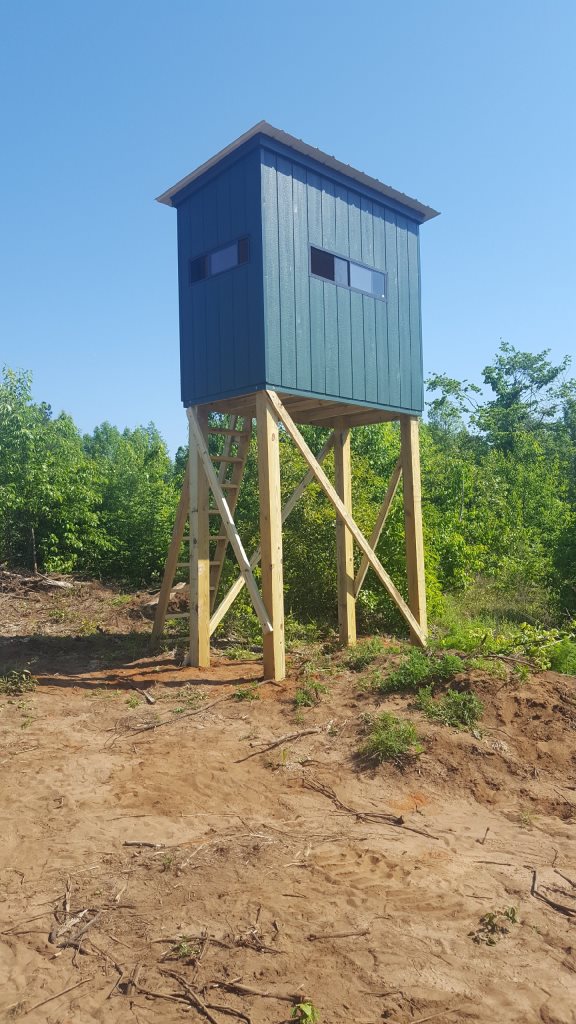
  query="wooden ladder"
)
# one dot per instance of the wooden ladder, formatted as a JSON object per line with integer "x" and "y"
{"x": 231, "y": 463}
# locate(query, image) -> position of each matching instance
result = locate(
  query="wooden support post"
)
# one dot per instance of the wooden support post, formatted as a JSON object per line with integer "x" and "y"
{"x": 199, "y": 603}
{"x": 410, "y": 456}
{"x": 271, "y": 536}
{"x": 344, "y": 540}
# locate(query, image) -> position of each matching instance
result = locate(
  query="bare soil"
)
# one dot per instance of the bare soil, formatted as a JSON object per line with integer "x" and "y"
{"x": 299, "y": 873}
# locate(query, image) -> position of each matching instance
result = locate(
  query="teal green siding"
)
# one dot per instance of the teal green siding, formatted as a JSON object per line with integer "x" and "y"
{"x": 322, "y": 338}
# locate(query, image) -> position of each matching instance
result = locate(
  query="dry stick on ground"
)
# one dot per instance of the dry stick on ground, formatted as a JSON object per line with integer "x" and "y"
{"x": 57, "y": 996}
{"x": 246, "y": 990}
{"x": 565, "y": 877}
{"x": 147, "y": 696}
{"x": 149, "y": 846}
{"x": 559, "y": 907}
{"x": 231, "y": 1012}
{"x": 178, "y": 718}
{"x": 389, "y": 819}
{"x": 288, "y": 738}
{"x": 191, "y": 995}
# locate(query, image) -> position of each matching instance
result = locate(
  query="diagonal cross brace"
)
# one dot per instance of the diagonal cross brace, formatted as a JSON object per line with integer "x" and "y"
{"x": 228, "y": 523}
{"x": 333, "y": 497}
{"x": 379, "y": 526}
{"x": 229, "y": 598}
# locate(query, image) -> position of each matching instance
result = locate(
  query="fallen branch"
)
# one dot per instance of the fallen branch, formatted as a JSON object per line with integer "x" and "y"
{"x": 148, "y": 846}
{"x": 178, "y": 718}
{"x": 288, "y": 738}
{"x": 246, "y": 990}
{"x": 389, "y": 819}
{"x": 565, "y": 877}
{"x": 192, "y": 996}
{"x": 147, "y": 696}
{"x": 57, "y": 996}
{"x": 558, "y": 907}
{"x": 231, "y": 1012}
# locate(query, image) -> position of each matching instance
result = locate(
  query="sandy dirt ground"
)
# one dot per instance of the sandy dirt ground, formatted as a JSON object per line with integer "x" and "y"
{"x": 159, "y": 864}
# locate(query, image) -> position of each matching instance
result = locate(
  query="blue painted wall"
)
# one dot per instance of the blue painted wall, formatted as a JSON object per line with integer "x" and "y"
{"x": 269, "y": 322}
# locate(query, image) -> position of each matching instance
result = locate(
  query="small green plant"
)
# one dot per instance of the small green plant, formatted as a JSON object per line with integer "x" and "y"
{"x": 247, "y": 692}
{"x": 120, "y": 600}
{"x": 305, "y": 1012}
{"x": 58, "y": 614}
{"x": 309, "y": 693}
{"x": 418, "y": 668}
{"x": 241, "y": 654}
{"x": 390, "y": 739}
{"x": 184, "y": 950}
{"x": 133, "y": 701}
{"x": 190, "y": 697}
{"x": 494, "y": 925}
{"x": 17, "y": 681}
{"x": 460, "y": 710}
{"x": 364, "y": 654}
{"x": 87, "y": 627}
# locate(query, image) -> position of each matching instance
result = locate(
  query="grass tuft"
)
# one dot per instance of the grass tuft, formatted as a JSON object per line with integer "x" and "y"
{"x": 418, "y": 668}
{"x": 364, "y": 654}
{"x": 390, "y": 739}
{"x": 17, "y": 681}
{"x": 459, "y": 710}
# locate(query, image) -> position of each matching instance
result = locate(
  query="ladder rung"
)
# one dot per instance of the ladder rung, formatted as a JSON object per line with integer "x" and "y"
{"x": 218, "y": 537}
{"x": 182, "y": 565}
{"x": 229, "y": 485}
{"x": 212, "y": 512}
{"x": 226, "y": 458}
{"x": 214, "y": 564}
{"x": 177, "y": 615}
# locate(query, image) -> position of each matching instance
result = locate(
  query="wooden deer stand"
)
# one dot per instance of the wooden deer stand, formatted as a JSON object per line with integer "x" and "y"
{"x": 209, "y": 496}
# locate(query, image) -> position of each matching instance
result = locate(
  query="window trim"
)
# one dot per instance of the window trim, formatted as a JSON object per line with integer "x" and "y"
{"x": 206, "y": 257}
{"x": 348, "y": 260}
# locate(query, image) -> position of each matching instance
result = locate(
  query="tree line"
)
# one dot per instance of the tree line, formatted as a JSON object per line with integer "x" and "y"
{"x": 498, "y": 478}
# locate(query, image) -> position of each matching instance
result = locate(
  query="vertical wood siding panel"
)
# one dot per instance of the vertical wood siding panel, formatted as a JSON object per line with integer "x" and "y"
{"x": 392, "y": 310}
{"x": 404, "y": 312}
{"x": 318, "y": 361}
{"x": 240, "y": 281}
{"x": 344, "y": 342}
{"x": 381, "y": 310}
{"x": 368, "y": 303}
{"x": 415, "y": 318}
{"x": 286, "y": 268}
{"x": 330, "y": 299}
{"x": 227, "y": 232}
{"x": 223, "y": 211}
{"x": 342, "y": 244}
{"x": 254, "y": 296}
{"x": 356, "y": 309}
{"x": 301, "y": 280}
{"x": 271, "y": 268}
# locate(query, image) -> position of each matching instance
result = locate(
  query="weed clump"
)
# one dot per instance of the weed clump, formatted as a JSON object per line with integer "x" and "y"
{"x": 494, "y": 925}
{"x": 309, "y": 694}
{"x": 16, "y": 682}
{"x": 459, "y": 710}
{"x": 305, "y": 1012}
{"x": 247, "y": 692}
{"x": 563, "y": 657}
{"x": 390, "y": 739}
{"x": 364, "y": 654}
{"x": 418, "y": 668}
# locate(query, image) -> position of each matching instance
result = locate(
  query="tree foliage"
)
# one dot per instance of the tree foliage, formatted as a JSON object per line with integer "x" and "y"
{"x": 499, "y": 494}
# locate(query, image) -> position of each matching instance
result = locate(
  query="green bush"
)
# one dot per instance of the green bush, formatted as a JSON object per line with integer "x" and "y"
{"x": 563, "y": 657}
{"x": 459, "y": 710}
{"x": 308, "y": 694}
{"x": 417, "y": 668}
{"x": 16, "y": 682}
{"x": 390, "y": 739}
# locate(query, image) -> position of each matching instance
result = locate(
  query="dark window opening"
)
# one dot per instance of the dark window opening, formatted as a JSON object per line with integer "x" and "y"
{"x": 220, "y": 260}
{"x": 347, "y": 273}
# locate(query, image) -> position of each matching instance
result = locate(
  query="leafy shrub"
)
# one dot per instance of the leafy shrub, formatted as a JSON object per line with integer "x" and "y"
{"x": 390, "y": 739}
{"x": 563, "y": 657}
{"x": 418, "y": 668}
{"x": 364, "y": 654}
{"x": 494, "y": 925}
{"x": 17, "y": 681}
{"x": 305, "y": 1012}
{"x": 460, "y": 710}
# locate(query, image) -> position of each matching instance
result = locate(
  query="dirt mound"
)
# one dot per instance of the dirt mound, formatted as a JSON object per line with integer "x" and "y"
{"x": 236, "y": 854}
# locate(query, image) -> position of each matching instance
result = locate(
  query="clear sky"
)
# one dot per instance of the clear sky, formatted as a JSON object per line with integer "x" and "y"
{"x": 468, "y": 106}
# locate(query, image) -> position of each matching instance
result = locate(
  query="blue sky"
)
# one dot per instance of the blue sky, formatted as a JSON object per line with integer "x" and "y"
{"x": 470, "y": 107}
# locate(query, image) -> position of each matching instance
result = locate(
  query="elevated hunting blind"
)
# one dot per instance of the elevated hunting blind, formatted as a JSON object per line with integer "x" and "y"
{"x": 299, "y": 294}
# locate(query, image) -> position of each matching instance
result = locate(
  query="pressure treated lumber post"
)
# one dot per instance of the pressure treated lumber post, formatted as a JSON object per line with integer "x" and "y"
{"x": 172, "y": 558}
{"x": 271, "y": 536}
{"x": 344, "y": 540}
{"x": 199, "y": 653}
{"x": 410, "y": 457}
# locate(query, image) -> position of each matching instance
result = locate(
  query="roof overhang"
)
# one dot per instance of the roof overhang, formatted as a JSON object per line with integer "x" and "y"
{"x": 264, "y": 129}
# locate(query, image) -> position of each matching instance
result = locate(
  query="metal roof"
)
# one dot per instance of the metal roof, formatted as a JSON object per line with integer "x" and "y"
{"x": 263, "y": 128}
